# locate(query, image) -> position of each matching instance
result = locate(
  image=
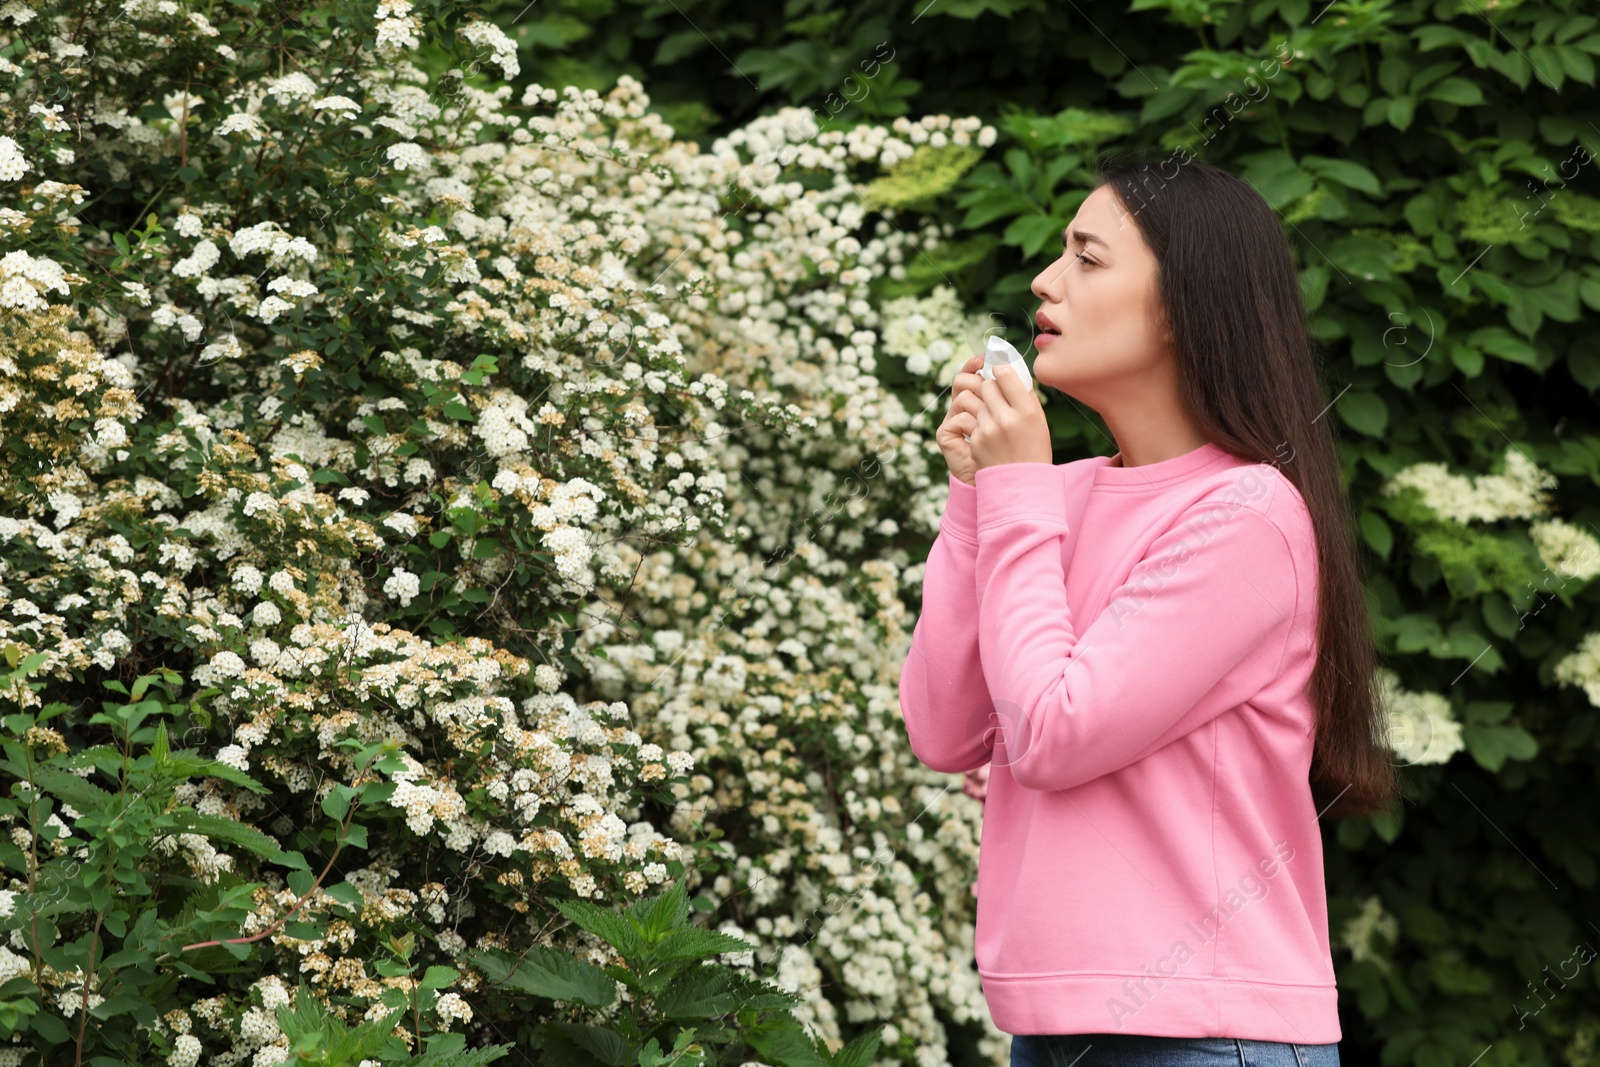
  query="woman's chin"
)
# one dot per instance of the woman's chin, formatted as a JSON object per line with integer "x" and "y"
{"x": 1048, "y": 365}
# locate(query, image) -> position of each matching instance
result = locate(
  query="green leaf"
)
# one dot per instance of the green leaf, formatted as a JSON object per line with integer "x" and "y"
{"x": 1492, "y": 745}
{"x": 782, "y": 1040}
{"x": 709, "y": 990}
{"x": 1401, "y": 110}
{"x": 1454, "y": 975}
{"x": 1457, "y": 91}
{"x": 300, "y": 882}
{"x": 1033, "y": 233}
{"x": 337, "y": 802}
{"x": 1498, "y": 341}
{"x": 994, "y": 202}
{"x": 346, "y": 894}
{"x": 693, "y": 942}
{"x": 574, "y": 1044}
{"x": 221, "y": 828}
{"x": 1387, "y": 824}
{"x": 1575, "y": 63}
{"x": 1364, "y": 411}
{"x": 662, "y": 914}
{"x": 1468, "y": 360}
{"x": 1277, "y": 177}
{"x": 860, "y": 1052}
{"x": 50, "y": 1027}
{"x": 1345, "y": 172}
{"x": 616, "y": 930}
{"x": 186, "y": 764}
{"x": 1499, "y": 617}
{"x": 69, "y": 787}
{"x": 675, "y": 46}
{"x": 547, "y": 972}
{"x": 1375, "y": 531}
{"x": 439, "y": 977}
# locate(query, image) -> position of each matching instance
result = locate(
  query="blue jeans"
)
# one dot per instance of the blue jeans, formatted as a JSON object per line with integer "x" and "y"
{"x": 1142, "y": 1050}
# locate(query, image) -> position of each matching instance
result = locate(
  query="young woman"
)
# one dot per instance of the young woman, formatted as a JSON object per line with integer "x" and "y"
{"x": 1164, "y": 656}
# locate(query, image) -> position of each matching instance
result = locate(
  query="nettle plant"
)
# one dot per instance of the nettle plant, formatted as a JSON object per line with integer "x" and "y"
{"x": 435, "y": 469}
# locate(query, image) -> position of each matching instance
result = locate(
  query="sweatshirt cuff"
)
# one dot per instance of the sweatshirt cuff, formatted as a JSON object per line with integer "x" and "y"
{"x": 1012, "y": 491}
{"x": 960, "y": 518}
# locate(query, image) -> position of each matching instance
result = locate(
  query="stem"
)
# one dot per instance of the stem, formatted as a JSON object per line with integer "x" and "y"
{"x": 33, "y": 868}
{"x": 183, "y": 130}
{"x": 416, "y": 1010}
{"x": 343, "y": 830}
{"x": 88, "y": 980}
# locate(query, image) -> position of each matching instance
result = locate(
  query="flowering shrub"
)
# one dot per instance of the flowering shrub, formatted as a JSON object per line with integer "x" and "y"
{"x": 445, "y": 460}
{"x": 1456, "y": 523}
{"x": 1442, "y": 206}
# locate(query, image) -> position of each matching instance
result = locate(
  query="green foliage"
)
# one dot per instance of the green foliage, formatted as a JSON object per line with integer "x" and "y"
{"x": 110, "y": 901}
{"x": 1429, "y": 161}
{"x": 924, "y": 176}
{"x": 686, "y": 1005}
{"x": 1434, "y": 173}
{"x": 116, "y": 901}
{"x": 318, "y": 1038}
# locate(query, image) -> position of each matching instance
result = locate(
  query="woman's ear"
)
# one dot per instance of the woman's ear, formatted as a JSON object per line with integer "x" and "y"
{"x": 1164, "y": 324}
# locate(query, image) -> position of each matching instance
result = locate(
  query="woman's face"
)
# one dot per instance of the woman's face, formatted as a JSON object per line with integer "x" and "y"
{"x": 1100, "y": 299}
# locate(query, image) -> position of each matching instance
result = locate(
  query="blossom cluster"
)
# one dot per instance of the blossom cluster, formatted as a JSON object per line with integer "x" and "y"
{"x": 1421, "y": 728}
{"x": 1568, "y": 553}
{"x": 1520, "y": 492}
{"x": 934, "y": 334}
{"x": 606, "y": 376}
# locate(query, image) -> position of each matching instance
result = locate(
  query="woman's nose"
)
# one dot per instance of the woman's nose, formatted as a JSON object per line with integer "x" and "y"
{"x": 1048, "y": 281}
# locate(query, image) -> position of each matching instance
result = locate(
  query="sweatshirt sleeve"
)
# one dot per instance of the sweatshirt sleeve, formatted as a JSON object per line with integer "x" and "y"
{"x": 943, "y": 697}
{"x": 1199, "y": 627}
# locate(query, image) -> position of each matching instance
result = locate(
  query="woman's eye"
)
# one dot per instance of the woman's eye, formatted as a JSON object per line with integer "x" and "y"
{"x": 1084, "y": 258}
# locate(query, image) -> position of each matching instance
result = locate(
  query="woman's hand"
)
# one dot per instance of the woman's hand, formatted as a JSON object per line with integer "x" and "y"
{"x": 1010, "y": 423}
{"x": 960, "y": 421}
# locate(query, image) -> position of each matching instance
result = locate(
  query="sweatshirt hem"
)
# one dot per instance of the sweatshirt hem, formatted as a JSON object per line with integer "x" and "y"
{"x": 1253, "y": 1010}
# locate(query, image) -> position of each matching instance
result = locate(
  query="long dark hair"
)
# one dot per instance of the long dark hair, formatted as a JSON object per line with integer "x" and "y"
{"x": 1251, "y": 377}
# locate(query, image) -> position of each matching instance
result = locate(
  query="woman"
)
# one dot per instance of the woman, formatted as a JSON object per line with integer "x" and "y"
{"x": 1164, "y": 656}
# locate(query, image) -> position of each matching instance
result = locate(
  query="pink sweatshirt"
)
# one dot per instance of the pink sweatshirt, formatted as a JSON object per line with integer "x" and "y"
{"x": 1131, "y": 648}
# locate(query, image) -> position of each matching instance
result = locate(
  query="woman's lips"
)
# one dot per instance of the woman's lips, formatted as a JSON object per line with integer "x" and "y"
{"x": 1045, "y": 330}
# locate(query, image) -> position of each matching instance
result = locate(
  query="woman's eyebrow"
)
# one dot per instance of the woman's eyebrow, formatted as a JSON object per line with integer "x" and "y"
{"x": 1069, "y": 235}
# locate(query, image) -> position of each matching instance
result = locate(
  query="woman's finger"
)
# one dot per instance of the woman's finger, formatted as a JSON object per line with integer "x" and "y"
{"x": 969, "y": 402}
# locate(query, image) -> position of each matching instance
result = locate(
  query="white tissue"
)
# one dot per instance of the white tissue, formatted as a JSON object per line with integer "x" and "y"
{"x": 999, "y": 351}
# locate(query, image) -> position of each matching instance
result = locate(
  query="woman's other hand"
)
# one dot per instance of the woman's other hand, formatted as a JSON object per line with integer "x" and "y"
{"x": 976, "y": 782}
{"x": 960, "y": 421}
{"x": 1011, "y": 427}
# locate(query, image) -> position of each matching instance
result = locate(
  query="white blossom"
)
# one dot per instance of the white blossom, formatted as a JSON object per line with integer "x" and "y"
{"x": 12, "y": 164}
